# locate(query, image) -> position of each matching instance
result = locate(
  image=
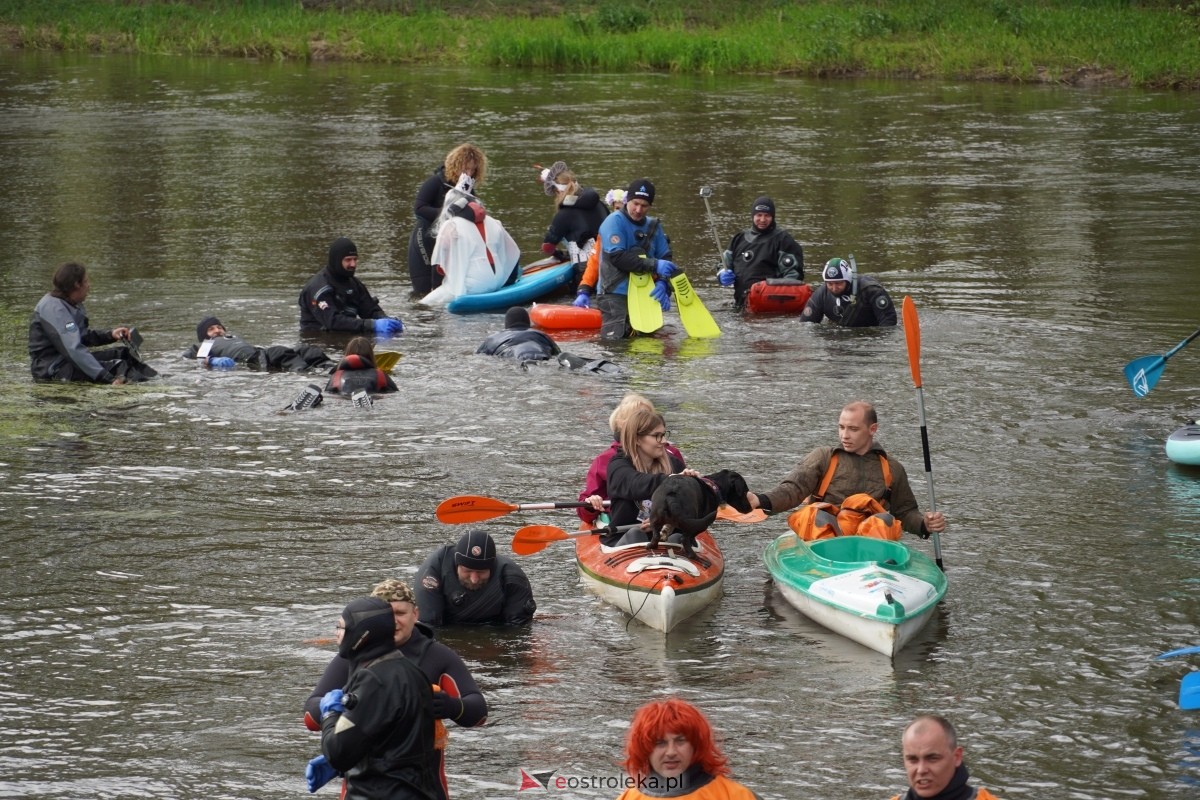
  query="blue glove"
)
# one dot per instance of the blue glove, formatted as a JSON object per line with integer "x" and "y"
{"x": 583, "y": 300}
{"x": 388, "y": 326}
{"x": 726, "y": 277}
{"x": 666, "y": 269}
{"x": 331, "y": 703}
{"x": 447, "y": 706}
{"x": 222, "y": 362}
{"x": 318, "y": 773}
{"x": 659, "y": 293}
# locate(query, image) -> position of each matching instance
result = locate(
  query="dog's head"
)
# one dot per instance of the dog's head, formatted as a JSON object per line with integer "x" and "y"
{"x": 732, "y": 488}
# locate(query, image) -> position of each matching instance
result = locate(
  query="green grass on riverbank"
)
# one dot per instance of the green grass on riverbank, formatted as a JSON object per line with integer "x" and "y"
{"x": 1152, "y": 44}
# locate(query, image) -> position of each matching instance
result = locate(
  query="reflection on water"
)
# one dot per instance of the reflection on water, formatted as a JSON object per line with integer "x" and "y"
{"x": 174, "y": 549}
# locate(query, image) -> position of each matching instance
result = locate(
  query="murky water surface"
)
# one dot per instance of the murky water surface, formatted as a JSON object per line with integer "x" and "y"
{"x": 175, "y": 554}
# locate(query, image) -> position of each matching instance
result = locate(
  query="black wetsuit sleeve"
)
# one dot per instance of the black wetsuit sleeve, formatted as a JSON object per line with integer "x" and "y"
{"x": 430, "y": 197}
{"x": 428, "y": 587}
{"x": 447, "y": 662}
{"x": 336, "y": 673}
{"x": 519, "y": 604}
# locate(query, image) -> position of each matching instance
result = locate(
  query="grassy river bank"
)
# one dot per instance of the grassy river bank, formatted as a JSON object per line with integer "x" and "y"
{"x": 1153, "y": 44}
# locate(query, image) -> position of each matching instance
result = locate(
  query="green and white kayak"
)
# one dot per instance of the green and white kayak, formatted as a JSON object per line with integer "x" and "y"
{"x": 1183, "y": 446}
{"x": 875, "y": 592}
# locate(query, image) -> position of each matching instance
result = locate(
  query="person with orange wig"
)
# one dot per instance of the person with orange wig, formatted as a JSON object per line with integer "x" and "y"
{"x": 670, "y": 752}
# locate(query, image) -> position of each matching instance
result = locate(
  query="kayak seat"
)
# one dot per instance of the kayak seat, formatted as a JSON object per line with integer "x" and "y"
{"x": 663, "y": 562}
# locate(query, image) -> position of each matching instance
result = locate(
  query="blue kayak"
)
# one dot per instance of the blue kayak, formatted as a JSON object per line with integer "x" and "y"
{"x": 525, "y": 289}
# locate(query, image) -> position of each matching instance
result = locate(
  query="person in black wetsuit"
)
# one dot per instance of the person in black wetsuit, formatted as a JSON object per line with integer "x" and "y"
{"x": 379, "y": 730}
{"x": 466, "y": 159}
{"x": 849, "y": 299}
{"x": 518, "y": 341}
{"x": 761, "y": 251}
{"x": 357, "y": 371}
{"x": 60, "y": 338}
{"x": 468, "y": 584}
{"x": 459, "y": 700}
{"x": 576, "y": 223}
{"x": 228, "y": 350}
{"x": 336, "y": 300}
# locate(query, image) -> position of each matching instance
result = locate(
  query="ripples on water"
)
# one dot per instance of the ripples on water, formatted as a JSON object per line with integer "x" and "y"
{"x": 176, "y": 553}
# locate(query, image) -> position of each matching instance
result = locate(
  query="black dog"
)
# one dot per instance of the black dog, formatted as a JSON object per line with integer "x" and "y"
{"x": 689, "y": 505}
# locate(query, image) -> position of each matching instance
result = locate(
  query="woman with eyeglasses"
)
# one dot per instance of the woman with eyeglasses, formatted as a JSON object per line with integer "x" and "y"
{"x": 639, "y": 466}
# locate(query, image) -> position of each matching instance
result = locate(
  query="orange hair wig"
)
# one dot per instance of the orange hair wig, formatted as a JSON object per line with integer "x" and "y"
{"x": 655, "y": 720}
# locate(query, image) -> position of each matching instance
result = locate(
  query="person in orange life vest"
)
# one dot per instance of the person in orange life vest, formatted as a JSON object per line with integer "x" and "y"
{"x": 465, "y": 160}
{"x": 670, "y": 752}
{"x": 460, "y": 699}
{"x": 595, "y": 487}
{"x": 933, "y": 761}
{"x": 357, "y": 371}
{"x": 859, "y": 470}
{"x": 615, "y": 199}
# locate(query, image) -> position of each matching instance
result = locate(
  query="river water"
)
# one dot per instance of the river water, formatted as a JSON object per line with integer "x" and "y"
{"x": 175, "y": 553}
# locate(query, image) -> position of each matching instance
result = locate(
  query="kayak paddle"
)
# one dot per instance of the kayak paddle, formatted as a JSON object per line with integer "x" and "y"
{"x": 1183, "y": 651}
{"x": 645, "y": 314}
{"x": 474, "y": 508}
{"x": 534, "y": 538}
{"x": 1189, "y": 691}
{"x": 1142, "y": 373}
{"x": 696, "y": 319}
{"x": 912, "y": 337}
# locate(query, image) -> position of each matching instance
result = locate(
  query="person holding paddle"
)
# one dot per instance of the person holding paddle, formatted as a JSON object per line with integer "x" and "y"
{"x": 468, "y": 584}
{"x": 224, "y": 350}
{"x": 638, "y": 468}
{"x": 670, "y": 751}
{"x": 60, "y": 338}
{"x": 760, "y": 252}
{"x": 856, "y": 466}
{"x": 632, "y": 244}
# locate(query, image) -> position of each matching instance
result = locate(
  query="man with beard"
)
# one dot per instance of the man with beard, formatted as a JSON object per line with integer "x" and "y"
{"x": 379, "y": 730}
{"x": 849, "y": 299}
{"x": 468, "y": 584}
{"x": 934, "y": 765}
{"x": 762, "y": 251}
{"x": 335, "y": 300}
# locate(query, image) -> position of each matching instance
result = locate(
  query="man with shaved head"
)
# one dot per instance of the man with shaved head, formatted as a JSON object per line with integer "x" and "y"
{"x": 933, "y": 761}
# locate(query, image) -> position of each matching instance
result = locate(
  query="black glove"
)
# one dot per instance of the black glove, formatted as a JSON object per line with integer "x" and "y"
{"x": 447, "y": 706}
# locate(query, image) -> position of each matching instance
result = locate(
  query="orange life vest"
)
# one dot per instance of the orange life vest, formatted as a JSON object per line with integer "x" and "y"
{"x": 859, "y": 514}
{"x": 719, "y": 788}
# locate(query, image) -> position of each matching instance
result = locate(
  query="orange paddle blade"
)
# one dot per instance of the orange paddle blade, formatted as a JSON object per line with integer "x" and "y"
{"x": 471, "y": 508}
{"x": 731, "y": 514}
{"x": 534, "y": 538}
{"x": 912, "y": 335}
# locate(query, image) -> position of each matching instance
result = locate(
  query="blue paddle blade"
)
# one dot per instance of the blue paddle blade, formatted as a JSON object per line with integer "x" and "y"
{"x": 1189, "y": 691}
{"x": 1143, "y": 373}
{"x": 1183, "y": 651}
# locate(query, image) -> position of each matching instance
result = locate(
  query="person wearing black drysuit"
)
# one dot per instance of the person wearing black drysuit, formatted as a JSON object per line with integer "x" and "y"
{"x": 762, "y": 251}
{"x": 468, "y": 584}
{"x": 335, "y": 300}
{"x": 848, "y": 299}
{"x": 379, "y": 730}
{"x": 464, "y": 160}
{"x": 518, "y": 341}
{"x": 60, "y": 337}
{"x": 227, "y": 348}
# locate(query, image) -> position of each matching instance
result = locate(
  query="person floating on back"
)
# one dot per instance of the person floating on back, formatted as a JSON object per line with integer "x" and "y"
{"x": 518, "y": 340}
{"x": 60, "y": 338}
{"x": 356, "y": 372}
{"x": 217, "y": 348}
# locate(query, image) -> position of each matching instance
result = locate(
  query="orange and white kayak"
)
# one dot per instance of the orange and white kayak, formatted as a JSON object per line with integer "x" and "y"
{"x": 659, "y": 587}
{"x": 557, "y": 317}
